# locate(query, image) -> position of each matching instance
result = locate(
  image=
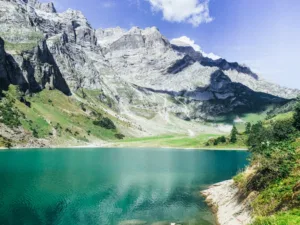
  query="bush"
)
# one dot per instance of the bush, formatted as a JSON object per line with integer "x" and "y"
{"x": 275, "y": 162}
{"x": 120, "y": 136}
{"x": 35, "y": 133}
{"x": 259, "y": 138}
{"x": 297, "y": 115}
{"x": 105, "y": 123}
{"x": 82, "y": 107}
{"x": 9, "y": 115}
{"x": 283, "y": 129}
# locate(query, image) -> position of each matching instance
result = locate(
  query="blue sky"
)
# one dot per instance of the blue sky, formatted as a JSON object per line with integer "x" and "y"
{"x": 264, "y": 34}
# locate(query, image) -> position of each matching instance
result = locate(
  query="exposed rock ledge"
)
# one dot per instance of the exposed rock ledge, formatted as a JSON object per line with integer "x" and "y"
{"x": 224, "y": 200}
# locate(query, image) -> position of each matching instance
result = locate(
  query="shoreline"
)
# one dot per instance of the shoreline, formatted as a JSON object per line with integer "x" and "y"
{"x": 228, "y": 208}
{"x": 111, "y": 145}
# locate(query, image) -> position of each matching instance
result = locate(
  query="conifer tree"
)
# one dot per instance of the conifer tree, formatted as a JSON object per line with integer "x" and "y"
{"x": 233, "y": 135}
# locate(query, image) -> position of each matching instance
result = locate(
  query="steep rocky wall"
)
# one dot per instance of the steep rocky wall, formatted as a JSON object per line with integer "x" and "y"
{"x": 10, "y": 72}
{"x": 36, "y": 71}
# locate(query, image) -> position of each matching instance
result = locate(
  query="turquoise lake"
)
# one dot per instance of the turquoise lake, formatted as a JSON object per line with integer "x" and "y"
{"x": 111, "y": 186}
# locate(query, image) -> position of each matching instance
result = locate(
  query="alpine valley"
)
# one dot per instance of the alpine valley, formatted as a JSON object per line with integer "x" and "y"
{"x": 64, "y": 83}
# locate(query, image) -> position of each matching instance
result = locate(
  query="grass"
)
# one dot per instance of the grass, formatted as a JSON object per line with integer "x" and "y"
{"x": 18, "y": 48}
{"x": 50, "y": 110}
{"x": 67, "y": 112}
{"x": 177, "y": 141}
{"x": 24, "y": 40}
{"x": 282, "y": 116}
{"x": 291, "y": 217}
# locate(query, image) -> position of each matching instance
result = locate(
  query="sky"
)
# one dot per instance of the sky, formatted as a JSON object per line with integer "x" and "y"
{"x": 263, "y": 34}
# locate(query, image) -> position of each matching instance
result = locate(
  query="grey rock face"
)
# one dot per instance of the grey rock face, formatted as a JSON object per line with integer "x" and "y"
{"x": 10, "y": 73}
{"x": 41, "y": 70}
{"x": 138, "y": 70}
{"x": 36, "y": 71}
{"x": 4, "y": 80}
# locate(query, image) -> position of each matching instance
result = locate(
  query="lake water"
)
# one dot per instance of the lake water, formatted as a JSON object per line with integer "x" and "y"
{"x": 111, "y": 186}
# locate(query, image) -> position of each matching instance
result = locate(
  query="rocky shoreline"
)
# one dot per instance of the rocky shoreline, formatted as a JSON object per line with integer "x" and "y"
{"x": 226, "y": 204}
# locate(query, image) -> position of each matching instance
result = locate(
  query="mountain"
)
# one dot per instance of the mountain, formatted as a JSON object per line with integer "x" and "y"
{"x": 137, "y": 75}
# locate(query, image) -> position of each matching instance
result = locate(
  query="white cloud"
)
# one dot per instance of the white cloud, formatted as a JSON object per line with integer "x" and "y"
{"x": 194, "y": 12}
{"x": 211, "y": 55}
{"x": 186, "y": 41}
{"x": 108, "y": 4}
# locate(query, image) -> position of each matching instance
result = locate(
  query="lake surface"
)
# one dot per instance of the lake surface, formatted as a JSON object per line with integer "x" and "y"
{"x": 111, "y": 186}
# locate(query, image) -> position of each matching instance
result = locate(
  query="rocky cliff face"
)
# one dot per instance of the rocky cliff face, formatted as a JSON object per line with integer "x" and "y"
{"x": 138, "y": 70}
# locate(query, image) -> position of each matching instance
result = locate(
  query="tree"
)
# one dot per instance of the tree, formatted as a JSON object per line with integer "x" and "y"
{"x": 283, "y": 129}
{"x": 259, "y": 137}
{"x": 233, "y": 135}
{"x": 248, "y": 128}
{"x": 297, "y": 114}
{"x": 222, "y": 139}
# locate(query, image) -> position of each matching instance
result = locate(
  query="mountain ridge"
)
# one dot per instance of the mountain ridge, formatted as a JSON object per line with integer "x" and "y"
{"x": 135, "y": 73}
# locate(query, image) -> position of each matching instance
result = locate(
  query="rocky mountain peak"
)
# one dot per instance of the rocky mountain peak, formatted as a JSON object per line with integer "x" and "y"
{"x": 138, "y": 70}
{"x": 135, "y": 30}
{"x": 43, "y": 6}
{"x": 107, "y": 36}
{"x": 46, "y": 7}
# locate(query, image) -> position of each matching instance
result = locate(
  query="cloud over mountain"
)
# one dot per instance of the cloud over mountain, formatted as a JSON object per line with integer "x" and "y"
{"x": 194, "y": 12}
{"x": 186, "y": 41}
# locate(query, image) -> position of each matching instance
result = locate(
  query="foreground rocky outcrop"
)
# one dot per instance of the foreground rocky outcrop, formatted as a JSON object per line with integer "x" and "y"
{"x": 225, "y": 201}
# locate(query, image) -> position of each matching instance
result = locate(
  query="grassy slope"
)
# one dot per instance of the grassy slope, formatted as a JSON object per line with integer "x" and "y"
{"x": 268, "y": 202}
{"x": 277, "y": 204}
{"x": 53, "y": 114}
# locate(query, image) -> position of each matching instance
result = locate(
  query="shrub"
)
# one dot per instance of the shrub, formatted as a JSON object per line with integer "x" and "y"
{"x": 222, "y": 139}
{"x": 9, "y": 115}
{"x": 120, "y": 136}
{"x": 35, "y": 133}
{"x": 105, "y": 123}
{"x": 68, "y": 130}
{"x": 297, "y": 115}
{"x": 283, "y": 129}
{"x": 82, "y": 107}
{"x": 275, "y": 162}
{"x": 259, "y": 137}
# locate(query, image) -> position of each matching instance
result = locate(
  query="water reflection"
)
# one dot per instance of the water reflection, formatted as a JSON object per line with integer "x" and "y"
{"x": 111, "y": 186}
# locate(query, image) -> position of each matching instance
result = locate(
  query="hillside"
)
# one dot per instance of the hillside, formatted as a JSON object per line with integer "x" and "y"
{"x": 68, "y": 73}
{"x": 269, "y": 189}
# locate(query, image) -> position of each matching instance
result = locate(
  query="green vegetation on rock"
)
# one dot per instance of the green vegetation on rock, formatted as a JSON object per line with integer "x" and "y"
{"x": 20, "y": 41}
